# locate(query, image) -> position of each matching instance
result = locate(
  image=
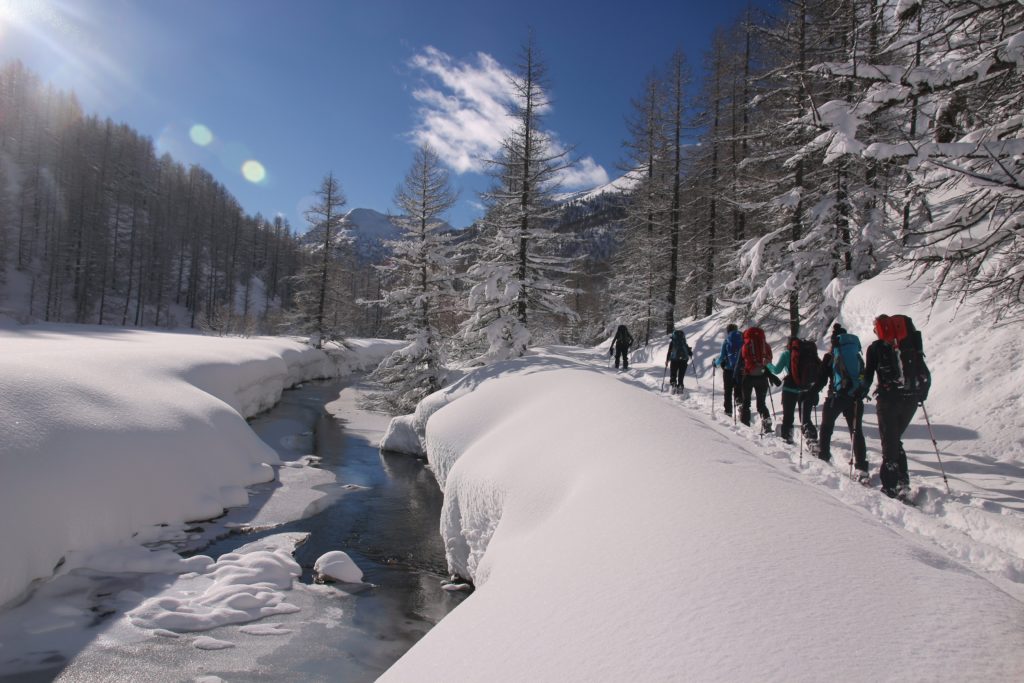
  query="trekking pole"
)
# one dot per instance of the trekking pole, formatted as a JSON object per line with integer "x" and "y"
{"x": 712, "y": 391}
{"x": 800, "y": 410}
{"x": 695, "y": 378}
{"x": 853, "y": 427}
{"x": 663, "y": 376}
{"x": 935, "y": 443}
{"x": 771, "y": 397}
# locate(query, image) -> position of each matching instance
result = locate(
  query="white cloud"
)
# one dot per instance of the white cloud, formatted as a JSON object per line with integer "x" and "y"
{"x": 467, "y": 118}
{"x": 584, "y": 174}
{"x": 463, "y": 115}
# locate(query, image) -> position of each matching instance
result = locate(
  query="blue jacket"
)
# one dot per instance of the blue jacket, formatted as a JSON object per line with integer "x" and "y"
{"x": 730, "y": 350}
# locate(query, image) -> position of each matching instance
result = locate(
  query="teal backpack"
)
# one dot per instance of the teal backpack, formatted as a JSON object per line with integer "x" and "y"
{"x": 847, "y": 365}
{"x": 680, "y": 349}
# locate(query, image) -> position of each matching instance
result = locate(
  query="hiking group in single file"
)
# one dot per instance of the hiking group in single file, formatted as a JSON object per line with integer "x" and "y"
{"x": 894, "y": 362}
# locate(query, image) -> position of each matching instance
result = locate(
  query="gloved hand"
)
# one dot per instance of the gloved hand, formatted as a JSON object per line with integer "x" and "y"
{"x": 714, "y": 363}
{"x": 774, "y": 380}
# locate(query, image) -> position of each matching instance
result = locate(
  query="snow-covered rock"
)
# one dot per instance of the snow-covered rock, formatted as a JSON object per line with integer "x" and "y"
{"x": 336, "y": 565}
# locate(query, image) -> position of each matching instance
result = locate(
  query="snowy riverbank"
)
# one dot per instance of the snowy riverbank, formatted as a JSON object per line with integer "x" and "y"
{"x": 615, "y": 535}
{"x": 618, "y": 533}
{"x": 109, "y": 433}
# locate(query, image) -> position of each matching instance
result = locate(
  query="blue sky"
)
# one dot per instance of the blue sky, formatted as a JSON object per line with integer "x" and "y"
{"x": 307, "y": 86}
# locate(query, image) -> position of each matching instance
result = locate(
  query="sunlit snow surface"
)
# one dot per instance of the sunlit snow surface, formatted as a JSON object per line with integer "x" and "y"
{"x": 618, "y": 533}
{"x": 107, "y": 433}
{"x": 117, "y": 602}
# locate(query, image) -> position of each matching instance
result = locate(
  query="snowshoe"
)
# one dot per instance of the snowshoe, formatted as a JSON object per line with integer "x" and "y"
{"x": 903, "y": 494}
{"x": 861, "y": 477}
{"x": 766, "y": 428}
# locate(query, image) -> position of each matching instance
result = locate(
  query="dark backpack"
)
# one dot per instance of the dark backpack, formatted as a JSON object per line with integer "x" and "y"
{"x": 680, "y": 349}
{"x": 804, "y": 363}
{"x": 623, "y": 337}
{"x": 733, "y": 344}
{"x": 901, "y": 365}
{"x": 755, "y": 351}
{"x": 847, "y": 365}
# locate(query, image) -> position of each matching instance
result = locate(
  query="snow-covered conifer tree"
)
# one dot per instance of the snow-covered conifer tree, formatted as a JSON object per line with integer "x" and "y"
{"x": 648, "y": 271}
{"x": 951, "y": 77}
{"x": 518, "y": 280}
{"x": 314, "y": 283}
{"x": 786, "y": 270}
{"x": 638, "y": 283}
{"x": 420, "y": 270}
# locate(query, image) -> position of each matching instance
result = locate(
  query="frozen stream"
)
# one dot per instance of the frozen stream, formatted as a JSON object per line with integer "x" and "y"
{"x": 381, "y": 509}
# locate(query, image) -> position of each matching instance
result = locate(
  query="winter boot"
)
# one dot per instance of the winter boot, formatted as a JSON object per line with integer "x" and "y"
{"x": 766, "y": 427}
{"x": 862, "y": 476}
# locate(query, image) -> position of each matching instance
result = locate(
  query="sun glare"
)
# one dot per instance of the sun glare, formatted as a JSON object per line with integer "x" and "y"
{"x": 200, "y": 135}
{"x": 254, "y": 172}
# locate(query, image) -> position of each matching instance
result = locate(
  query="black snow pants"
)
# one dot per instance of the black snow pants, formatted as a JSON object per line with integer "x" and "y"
{"x": 622, "y": 351}
{"x": 853, "y": 410}
{"x": 732, "y": 390}
{"x": 791, "y": 400}
{"x": 677, "y": 371}
{"x": 894, "y": 416}
{"x": 758, "y": 384}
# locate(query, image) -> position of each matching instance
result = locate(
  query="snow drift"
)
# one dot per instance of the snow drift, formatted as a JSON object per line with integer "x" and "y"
{"x": 614, "y": 536}
{"x": 106, "y": 432}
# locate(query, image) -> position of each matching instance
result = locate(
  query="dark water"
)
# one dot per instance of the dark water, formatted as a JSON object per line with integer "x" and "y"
{"x": 388, "y": 524}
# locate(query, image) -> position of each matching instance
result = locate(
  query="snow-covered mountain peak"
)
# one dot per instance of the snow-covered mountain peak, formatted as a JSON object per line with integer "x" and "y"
{"x": 622, "y": 184}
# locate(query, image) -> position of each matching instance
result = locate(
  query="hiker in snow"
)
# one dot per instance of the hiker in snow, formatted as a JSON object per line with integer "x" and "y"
{"x": 801, "y": 363}
{"x": 842, "y": 369}
{"x": 679, "y": 355}
{"x": 727, "y": 360}
{"x": 620, "y": 346}
{"x": 897, "y": 356}
{"x": 755, "y": 354}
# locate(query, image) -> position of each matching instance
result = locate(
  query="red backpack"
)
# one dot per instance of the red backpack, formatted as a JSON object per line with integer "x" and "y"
{"x": 756, "y": 352}
{"x": 804, "y": 363}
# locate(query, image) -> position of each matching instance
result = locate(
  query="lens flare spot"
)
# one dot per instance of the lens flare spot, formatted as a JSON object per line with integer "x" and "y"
{"x": 200, "y": 134}
{"x": 254, "y": 171}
